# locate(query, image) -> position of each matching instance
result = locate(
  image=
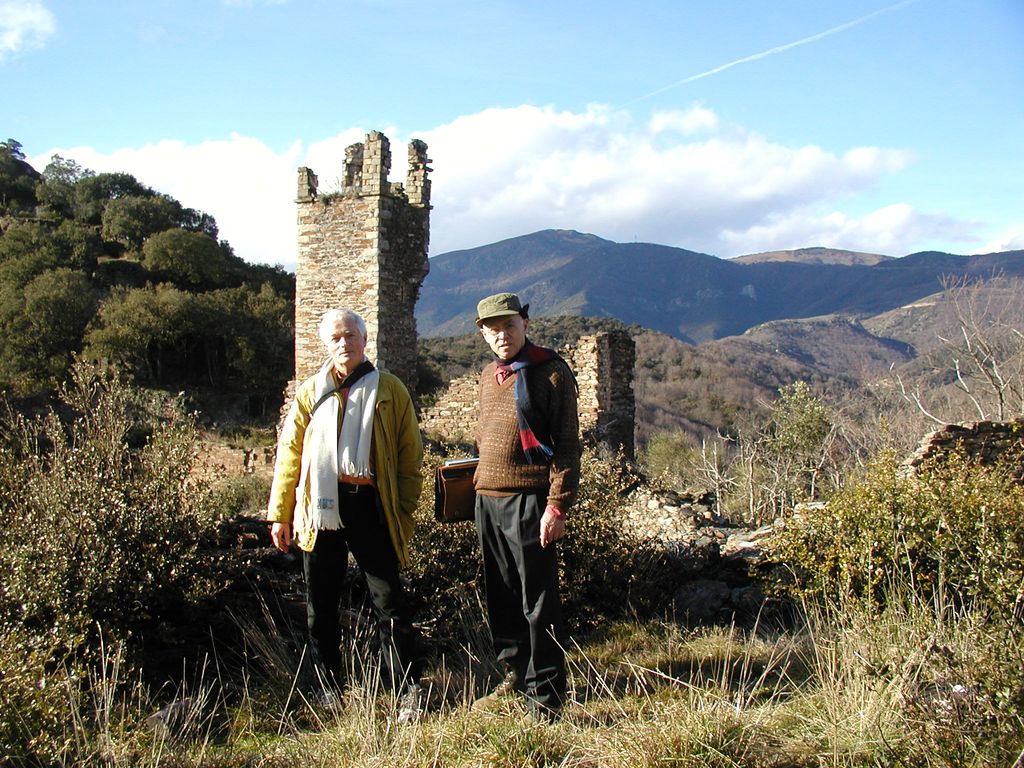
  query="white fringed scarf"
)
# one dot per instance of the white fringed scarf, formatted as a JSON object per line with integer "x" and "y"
{"x": 327, "y": 454}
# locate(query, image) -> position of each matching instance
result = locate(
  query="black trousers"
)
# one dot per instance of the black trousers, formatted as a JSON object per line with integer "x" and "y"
{"x": 524, "y": 609}
{"x": 365, "y": 535}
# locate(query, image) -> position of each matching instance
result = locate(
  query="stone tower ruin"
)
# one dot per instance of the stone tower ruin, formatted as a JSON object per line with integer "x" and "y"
{"x": 364, "y": 247}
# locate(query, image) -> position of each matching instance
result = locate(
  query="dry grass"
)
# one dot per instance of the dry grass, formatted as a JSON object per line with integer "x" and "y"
{"x": 842, "y": 690}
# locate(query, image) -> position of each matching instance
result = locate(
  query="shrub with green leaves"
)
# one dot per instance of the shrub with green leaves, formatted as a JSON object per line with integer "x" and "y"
{"x": 102, "y": 522}
{"x": 102, "y": 516}
{"x": 954, "y": 528}
{"x": 672, "y": 456}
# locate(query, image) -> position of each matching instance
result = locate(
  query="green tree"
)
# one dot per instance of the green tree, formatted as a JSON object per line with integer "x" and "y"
{"x": 43, "y": 330}
{"x": 197, "y": 221}
{"x": 190, "y": 259}
{"x": 92, "y": 193}
{"x": 132, "y": 219}
{"x": 788, "y": 459}
{"x": 30, "y": 243}
{"x": 17, "y": 178}
{"x": 79, "y": 245}
{"x": 138, "y": 327}
{"x": 56, "y": 190}
{"x": 672, "y": 455}
{"x": 800, "y": 427}
{"x": 26, "y": 250}
{"x": 256, "y": 331}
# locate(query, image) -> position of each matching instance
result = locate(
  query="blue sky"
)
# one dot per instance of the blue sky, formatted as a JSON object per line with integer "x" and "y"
{"x": 728, "y": 128}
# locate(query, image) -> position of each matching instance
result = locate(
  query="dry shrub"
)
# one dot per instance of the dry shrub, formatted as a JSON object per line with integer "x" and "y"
{"x": 606, "y": 573}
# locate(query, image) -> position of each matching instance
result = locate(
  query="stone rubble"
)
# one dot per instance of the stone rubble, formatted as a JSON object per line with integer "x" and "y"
{"x": 715, "y": 559}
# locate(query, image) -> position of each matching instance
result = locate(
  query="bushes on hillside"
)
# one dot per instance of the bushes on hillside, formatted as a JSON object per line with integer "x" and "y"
{"x": 938, "y": 557}
{"x": 84, "y": 269}
{"x": 794, "y": 455}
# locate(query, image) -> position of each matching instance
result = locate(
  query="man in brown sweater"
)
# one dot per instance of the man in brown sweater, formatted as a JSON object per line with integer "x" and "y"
{"x": 528, "y": 439}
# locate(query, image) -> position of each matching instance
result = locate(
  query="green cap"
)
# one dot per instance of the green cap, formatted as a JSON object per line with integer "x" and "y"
{"x": 499, "y": 305}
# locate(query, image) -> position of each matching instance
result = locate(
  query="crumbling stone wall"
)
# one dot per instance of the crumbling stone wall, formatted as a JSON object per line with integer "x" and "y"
{"x": 453, "y": 416}
{"x": 985, "y": 441}
{"x": 603, "y": 365}
{"x": 364, "y": 247}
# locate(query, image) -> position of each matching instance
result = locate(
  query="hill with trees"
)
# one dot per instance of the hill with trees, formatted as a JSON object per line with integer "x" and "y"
{"x": 102, "y": 266}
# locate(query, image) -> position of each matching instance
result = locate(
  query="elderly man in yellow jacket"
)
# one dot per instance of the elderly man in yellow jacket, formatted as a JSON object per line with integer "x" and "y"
{"x": 347, "y": 479}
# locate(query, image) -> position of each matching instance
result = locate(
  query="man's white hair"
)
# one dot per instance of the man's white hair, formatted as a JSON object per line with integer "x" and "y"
{"x": 333, "y": 317}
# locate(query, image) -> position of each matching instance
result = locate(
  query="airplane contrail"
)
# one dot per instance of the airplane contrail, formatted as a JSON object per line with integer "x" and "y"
{"x": 772, "y": 51}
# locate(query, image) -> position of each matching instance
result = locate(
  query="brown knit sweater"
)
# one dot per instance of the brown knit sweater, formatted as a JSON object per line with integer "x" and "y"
{"x": 503, "y": 469}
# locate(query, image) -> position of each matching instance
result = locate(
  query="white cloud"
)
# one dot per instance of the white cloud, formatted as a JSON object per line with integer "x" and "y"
{"x": 894, "y": 230}
{"x": 687, "y": 123}
{"x": 502, "y": 173}
{"x": 24, "y": 25}
{"x": 1010, "y": 240}
{"x": 681, "y": 179}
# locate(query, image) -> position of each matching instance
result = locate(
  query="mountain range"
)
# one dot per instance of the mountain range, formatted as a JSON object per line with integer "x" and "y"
{"x": 693, "y": 297}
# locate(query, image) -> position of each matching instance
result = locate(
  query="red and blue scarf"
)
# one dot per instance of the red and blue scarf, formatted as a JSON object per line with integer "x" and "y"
{"x": 536, "y": 450}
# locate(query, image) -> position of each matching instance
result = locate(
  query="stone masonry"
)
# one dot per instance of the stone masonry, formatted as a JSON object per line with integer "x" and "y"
{"x": 365, "y": 248}
{"x": 603, "y": 365}
{"x": 986, "y": 442}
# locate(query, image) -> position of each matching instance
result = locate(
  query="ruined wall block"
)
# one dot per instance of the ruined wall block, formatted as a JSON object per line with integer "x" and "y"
{"x": 985, "y": 441}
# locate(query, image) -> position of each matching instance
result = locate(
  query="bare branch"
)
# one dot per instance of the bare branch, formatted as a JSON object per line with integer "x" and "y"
{"x": 967, "y": 390}
{"x": 915, "y": 398}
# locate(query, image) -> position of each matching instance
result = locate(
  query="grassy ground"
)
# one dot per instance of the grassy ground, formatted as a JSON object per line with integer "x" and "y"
{"x": 852, "y": 691}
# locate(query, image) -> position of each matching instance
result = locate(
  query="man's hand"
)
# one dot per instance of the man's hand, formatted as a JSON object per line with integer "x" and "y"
{"x": 552, "y": 525}
{"x": 281, "y": 535}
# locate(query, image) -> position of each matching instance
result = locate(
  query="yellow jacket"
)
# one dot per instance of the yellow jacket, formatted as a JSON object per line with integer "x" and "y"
{"x": 397, "y": 459}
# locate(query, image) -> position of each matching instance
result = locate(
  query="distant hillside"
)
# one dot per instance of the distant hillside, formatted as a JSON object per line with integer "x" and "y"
{"x": 459, "y": 279}
{"x": 691, "y": 296}
{"x": 932, "y": 322}
{"x": 722, "y": 385}
{"x": 815, "y": 255}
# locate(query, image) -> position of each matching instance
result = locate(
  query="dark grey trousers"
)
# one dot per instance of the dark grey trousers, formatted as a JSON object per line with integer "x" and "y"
{"x": 524, "y": 609}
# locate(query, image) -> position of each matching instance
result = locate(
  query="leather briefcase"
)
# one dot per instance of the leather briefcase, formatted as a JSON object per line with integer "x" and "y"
{"x": 454, "y": 495}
